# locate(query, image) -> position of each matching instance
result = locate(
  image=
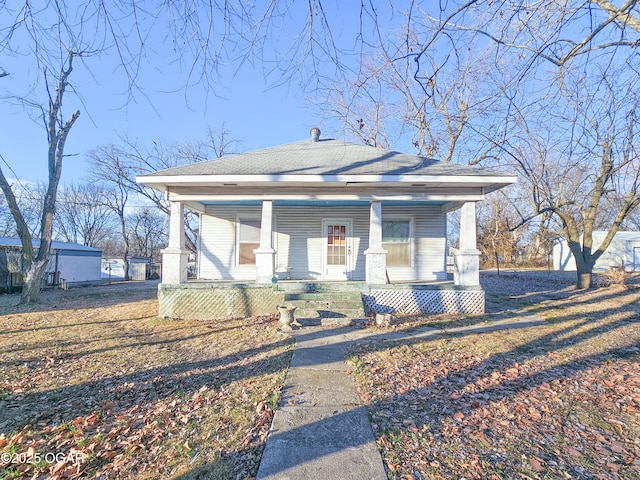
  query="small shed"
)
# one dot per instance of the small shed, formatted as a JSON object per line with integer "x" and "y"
{"x": 624, "y": 251}
{"x": 69, "y": 262}
{"x": 139, "y": 267}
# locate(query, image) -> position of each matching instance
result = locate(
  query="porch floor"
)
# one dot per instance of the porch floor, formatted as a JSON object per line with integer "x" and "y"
{"x": 325, "y": 285}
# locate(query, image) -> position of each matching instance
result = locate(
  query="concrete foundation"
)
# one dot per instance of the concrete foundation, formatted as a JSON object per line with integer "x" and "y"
{"x": 209, "y": 301}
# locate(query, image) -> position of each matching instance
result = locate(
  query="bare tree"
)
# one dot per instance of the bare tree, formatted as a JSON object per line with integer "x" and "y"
{"x": 388, "y": 101}
{"x": 82, "y": 217}
{"x": 30, "y": 197}
{"x": 56, "y": 34}
{"x": 148, "y": 233}
{"x": 546, "y": 88}
{"x": 119, "y": 165}
{"x": 109, "y": 166}
{"x": 215, "y": 143}
{"x": 437, "y": 44}
{"x": 556, "y": 32}
{"x": 497, "y": 240}
{"x": 586, "y": 171}
{"x": 58, "y": 128}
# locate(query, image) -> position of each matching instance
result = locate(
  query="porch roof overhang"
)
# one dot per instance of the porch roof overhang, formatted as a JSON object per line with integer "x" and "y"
{"x": 448, "y": 191}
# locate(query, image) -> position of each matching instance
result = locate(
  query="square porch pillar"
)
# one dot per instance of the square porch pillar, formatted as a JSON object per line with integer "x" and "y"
{"x": 265, "y": 254}
{"x": 376, "y": 256}
{"x": 174, "y": 257}
{"x": 466, "y": 259}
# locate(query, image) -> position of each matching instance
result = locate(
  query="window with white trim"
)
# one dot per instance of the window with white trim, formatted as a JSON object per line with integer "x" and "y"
{"x": 248, "y": 240}
{"x": 396, "y": 240}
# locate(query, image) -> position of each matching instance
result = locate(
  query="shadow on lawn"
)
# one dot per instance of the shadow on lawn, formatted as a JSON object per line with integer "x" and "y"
{"x": 124, "y": 340}
{"x": 188, "y": 376}
{"x": 573, "y": 334}
{"x": 141, "y": 390}
{"x": 455, "y": 381}
{"x": 448, "y": 394}
{"x": 442, "y": 392}
{"x": 447, "y": 401}
{"x": 151, "y": 384}
{"x": 83, "y": 297}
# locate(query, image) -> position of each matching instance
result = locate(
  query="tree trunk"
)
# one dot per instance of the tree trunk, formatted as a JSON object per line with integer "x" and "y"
{"x": 126, "y": 265}
{"x": 33, "y": 281}
{"x": 585, "y": 277}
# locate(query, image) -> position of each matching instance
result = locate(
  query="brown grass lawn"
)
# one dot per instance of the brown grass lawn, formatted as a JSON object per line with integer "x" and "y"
{"x": 94, "y": 385}
{"x": 559, "y": 399}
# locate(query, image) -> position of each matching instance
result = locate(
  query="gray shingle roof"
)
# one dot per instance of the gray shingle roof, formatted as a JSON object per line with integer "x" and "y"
{"x": 324, "y": 157}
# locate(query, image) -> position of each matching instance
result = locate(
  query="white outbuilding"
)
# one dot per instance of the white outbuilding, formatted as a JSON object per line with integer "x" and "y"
{"x": 624, "y": 251}
{"x": 69, "y": 263}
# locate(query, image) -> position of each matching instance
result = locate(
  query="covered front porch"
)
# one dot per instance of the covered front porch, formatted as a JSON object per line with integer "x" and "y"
{"x": 360, "y": 268}
{"x": 373, "y": 241}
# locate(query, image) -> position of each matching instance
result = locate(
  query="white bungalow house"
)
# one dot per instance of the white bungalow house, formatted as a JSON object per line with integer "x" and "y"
{"x": 323, "y": 210}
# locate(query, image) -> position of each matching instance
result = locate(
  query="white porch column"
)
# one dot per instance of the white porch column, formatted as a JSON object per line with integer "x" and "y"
{"x": 174, "y": 257}
{"x": 376, "y": 256}
{"x": 265, "y": 254}
{"x": 467, "y": 258}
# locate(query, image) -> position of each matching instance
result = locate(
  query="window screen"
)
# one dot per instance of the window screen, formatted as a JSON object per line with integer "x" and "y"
{"x": 396, "y": 241}
{"x": 248, "y": 240}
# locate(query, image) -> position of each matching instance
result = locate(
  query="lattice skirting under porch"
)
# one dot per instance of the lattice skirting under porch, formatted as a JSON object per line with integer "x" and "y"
{"x": 416, "y": 301}
{"x": 207, "y": 302}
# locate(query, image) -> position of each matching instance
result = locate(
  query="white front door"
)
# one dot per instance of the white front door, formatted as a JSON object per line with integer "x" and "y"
{"x": 336, "y": 249}
{"x": 636, "y": 259}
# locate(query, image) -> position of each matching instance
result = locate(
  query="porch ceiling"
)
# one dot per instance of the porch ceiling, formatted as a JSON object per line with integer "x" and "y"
{"x": 329, "y": 190}
{"x": 448, "y": 201}
{"x": 234, "y": 183}
{"x": 449, "y": 197}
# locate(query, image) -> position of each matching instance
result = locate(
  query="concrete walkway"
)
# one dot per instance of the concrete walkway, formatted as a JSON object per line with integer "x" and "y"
{"x": 320, "y": 429}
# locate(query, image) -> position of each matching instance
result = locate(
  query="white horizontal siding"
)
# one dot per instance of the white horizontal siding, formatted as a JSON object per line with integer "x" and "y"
{"x": 218, "y": 256}
{"x": 300, "y": 237}
{"x": 298, "y": 241}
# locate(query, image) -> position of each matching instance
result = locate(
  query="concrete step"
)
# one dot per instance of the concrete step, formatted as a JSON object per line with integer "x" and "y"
{"x": 324, "y": 296}
{"x": 325, "y": 313}
{"x": 328, "y": 322}
{"x": 322, "y": 304}
{"x": 337, "y": 287}
{"x": 337, "y": 305}
{"x": 312, "y": 287}
{"x": 325, "y": 310}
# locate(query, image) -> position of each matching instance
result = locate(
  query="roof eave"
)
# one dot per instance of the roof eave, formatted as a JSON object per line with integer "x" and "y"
{"x": 164, "y": 182}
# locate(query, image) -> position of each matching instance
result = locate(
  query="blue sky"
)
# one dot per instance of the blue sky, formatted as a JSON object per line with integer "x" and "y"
{"x": 257, "y": 114}
{"x": 254, "y": 111}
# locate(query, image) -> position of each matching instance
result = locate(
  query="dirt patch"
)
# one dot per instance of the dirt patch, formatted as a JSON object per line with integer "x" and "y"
{"x": 557, "y": 400}
{"x": 94, "y": 385}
